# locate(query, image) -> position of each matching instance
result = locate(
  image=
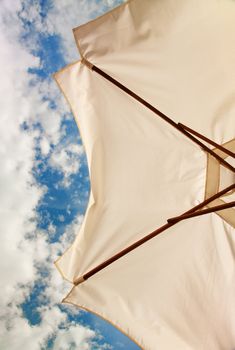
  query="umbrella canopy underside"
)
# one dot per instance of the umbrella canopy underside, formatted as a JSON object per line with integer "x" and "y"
{"x": 176, "y": 291}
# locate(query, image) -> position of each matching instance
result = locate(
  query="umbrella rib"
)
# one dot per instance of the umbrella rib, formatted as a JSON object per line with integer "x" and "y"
{"x": 202, "y": 212}
{"x": 203, "y": 137}
{"x": 178, "y": 126}
{"x": 207, "y": 149}
{"x": 152, "y": 235}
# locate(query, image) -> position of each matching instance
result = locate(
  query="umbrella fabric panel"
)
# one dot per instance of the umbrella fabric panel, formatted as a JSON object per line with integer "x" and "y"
{"x": 142, "y": 170}
{"x": 175, "y": 291}
{"x": 178, "y": 55}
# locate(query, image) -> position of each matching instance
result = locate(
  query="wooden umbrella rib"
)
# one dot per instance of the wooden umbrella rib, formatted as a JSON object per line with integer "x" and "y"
{"x": 201, "y": 212}
{"x": 148, "y": 237}
{"x": 213, "y": 143}
{"x": 156, "y": 111}
{"x": 207, "y": 149}
{"x": 210, "y": 199}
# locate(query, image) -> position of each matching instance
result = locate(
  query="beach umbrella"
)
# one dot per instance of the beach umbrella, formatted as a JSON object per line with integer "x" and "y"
{"x": 154, "y": 98}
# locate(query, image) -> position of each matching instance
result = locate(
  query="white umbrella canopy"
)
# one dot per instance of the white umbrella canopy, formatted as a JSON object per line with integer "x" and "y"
{"x": 177, "y": 289}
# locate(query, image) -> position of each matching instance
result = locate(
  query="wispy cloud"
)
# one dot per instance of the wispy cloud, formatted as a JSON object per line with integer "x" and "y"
{"x": 66, "y": 159}
{"x": 19, "y": 191}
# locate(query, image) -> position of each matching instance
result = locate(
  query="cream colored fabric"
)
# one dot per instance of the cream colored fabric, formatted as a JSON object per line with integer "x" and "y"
{"x": 141, "y": 170}
{"x": 176, "y": 291}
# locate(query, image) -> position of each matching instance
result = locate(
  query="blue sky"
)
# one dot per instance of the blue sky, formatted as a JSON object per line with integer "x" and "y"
{"x": 44, "y": 179}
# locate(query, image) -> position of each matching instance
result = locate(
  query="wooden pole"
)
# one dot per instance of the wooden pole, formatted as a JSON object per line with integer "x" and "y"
{"x": 147, "y": 238}
{"x": 213, "y": 143}
{"x": 178, "y": 126}
{"x": 202, "y": 212}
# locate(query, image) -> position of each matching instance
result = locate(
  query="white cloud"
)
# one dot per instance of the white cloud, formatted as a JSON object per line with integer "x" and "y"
{"x": 16, "y": 332}
{"x": 67, "y": 159}
{"x": 45, "y": 146}
{"x": 20, "y": 102}
{"x": 19, "y": 193}
{"x": 78, "y": 336}
{"x": 24, "y": 249}
{"x": 54, "y": 323}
